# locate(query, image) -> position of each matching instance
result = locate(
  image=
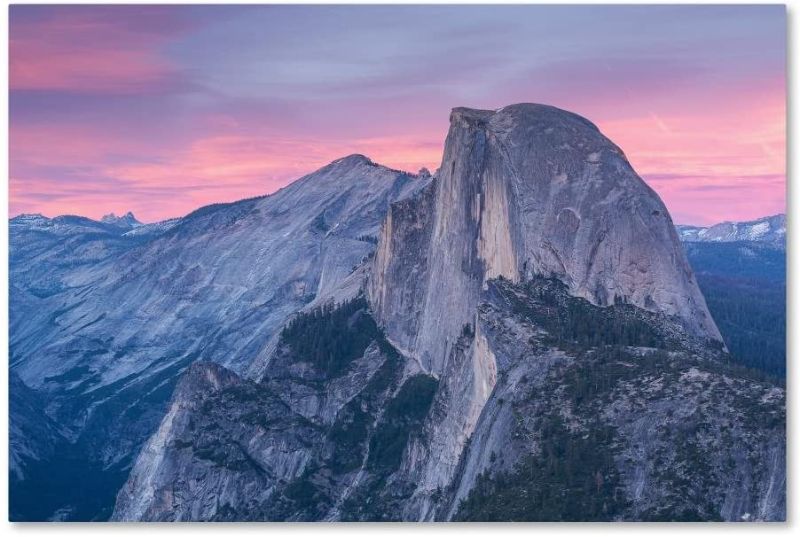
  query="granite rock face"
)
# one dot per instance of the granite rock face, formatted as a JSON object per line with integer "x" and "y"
{"x": 590, "y": 421}
{"x": 523, "y": 192}
{"x": 517, "y": 337}
{"x": 528, "y": 190}
{"x": 105, "y": 316}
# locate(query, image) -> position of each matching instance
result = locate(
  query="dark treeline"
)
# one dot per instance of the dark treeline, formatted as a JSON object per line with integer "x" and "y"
{"x": 744, "y": 284}
{"x": 332, "y": 336}
{"x": 751, "y": 315}
{"x": 574, "y": 321}
{"x": 404, "y": 414}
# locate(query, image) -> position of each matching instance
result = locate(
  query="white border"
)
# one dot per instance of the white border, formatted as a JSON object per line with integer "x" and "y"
{"x": 561, "y": 529}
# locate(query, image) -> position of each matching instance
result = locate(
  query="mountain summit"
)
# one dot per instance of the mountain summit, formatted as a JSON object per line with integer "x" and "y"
{"x": 528, "y": 318}
{"x": 216, "y": 285}
{"x": 528, "y": 190}
{"x": 515, "y": 337}
{"x": 127, "y": 220}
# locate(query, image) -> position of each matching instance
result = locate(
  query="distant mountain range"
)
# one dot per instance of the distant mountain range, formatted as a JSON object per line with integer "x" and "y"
{"x": 741, "y": 269}
{"x": 766, "y": 229}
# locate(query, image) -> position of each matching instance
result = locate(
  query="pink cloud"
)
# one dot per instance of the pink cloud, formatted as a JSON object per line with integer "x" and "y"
{"x": 153, "y": 109}
{"x": 714, "y": 150}
{"x": 90, "y": 51}
{"x": 707, "y": 168}
{"x": 175, "y": 180}
{"x": 725, "y": 160}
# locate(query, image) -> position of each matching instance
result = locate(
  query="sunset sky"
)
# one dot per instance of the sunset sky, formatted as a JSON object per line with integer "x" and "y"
{"x": 159, "y": 110}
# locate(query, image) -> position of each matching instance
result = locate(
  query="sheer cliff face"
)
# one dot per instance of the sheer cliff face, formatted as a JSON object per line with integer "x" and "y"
{"x": 532, "y": 297}
{"x": 549, "y": 409}
{"x": 528, "y": 190}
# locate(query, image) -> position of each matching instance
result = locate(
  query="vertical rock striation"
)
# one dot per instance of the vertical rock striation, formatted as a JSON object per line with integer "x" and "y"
{"x": 533, "y": 346}
{"x": 528, "y": 190}
{"x": 522, "y": 192}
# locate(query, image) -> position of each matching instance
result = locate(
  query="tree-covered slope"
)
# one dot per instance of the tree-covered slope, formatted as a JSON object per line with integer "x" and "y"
{"x": 744, "y": 284}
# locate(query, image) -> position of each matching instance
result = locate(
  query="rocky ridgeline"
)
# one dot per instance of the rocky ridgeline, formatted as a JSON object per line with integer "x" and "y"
{"x": 770, "y": 230}
{"x": 526, "y": 341}
{"x": 104, "y": 320}
{"x": 540, "y": 283}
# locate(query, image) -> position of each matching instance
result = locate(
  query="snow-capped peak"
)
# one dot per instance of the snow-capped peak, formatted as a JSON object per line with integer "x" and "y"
{"x": 766, "y": 229}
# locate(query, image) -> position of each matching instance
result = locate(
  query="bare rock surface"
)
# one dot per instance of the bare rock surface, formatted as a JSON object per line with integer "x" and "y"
{"x": 523, "y": 192}
{"x": 296, "y": 445}
{"x": 105, "y": 316}
{"x": 518, "y": 337}
{"x": 528, "y": 190}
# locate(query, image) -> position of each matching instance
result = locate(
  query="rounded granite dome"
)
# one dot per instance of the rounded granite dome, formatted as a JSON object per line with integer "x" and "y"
{"x": 530, "y": 190}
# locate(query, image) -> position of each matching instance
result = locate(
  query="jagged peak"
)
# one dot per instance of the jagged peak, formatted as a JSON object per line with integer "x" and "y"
{"x": 355, "y": 161}
{"x": 127, "y": 219}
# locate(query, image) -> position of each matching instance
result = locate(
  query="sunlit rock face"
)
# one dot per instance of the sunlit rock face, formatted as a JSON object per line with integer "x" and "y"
{"x": 527, "y": 190}
{"x": 517, "y": 337}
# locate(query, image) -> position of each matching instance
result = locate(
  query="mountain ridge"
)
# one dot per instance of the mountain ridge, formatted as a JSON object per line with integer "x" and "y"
{"x": 473, "y": 296}
{"x": 465, "y": 321}
{"x": 103, "y": 321}
{"x": 765, "y": 229}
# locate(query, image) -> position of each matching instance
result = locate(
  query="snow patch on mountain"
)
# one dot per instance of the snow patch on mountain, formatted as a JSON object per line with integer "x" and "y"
{"x": 767, "y": 229}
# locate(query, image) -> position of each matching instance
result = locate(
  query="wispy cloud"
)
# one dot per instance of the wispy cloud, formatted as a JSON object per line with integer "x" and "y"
{"x": 160, "y": 109}
{"x": 97, "y": 50}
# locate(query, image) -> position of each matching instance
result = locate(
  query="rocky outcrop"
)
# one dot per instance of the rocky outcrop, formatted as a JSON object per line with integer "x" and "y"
{"x": 103, "y": 322}
{"x": 592, "y": 421}
{"x": 527, "y": 190}
{"x": 126, "y": 222}
{"x": 300, "y": 444}
{"x": 145, "y": 494}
